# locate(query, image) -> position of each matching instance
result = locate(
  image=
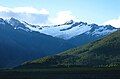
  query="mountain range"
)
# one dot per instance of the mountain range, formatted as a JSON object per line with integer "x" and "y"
{"x": 21, "y": 41}
{"x": 77, "y": 33}
{"x": 18, "y": 45}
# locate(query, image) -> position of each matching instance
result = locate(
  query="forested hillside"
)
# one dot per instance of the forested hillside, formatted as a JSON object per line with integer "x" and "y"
{"x": 101, "y": 53}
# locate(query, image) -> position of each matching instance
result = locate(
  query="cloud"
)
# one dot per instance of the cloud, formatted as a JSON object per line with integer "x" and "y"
{"x": 113, "y": 22}
{"x": 24, "y": 10}
{"x": 36, "y": 16}
{"x": 28, "y": 14}
{"x": 29, "y": 10}
{"x": 4, "y": 9}
{"x": 62, "y": 17}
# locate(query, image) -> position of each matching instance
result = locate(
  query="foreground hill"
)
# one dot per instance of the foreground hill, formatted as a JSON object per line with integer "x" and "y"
{"x": 102, "y": 53}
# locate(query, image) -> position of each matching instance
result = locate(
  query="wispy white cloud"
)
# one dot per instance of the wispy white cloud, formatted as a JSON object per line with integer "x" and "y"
{"x": 29, "y": 10}
{"x": 62, "y": 17}
{"x": 24, "y": 10}
{"x": 4, "y": 9}
{"x": 113, "y": 22}
{"x": 28, "y": 14}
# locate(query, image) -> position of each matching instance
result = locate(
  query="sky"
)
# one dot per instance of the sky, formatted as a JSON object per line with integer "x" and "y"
{"x": 59, "y": 11}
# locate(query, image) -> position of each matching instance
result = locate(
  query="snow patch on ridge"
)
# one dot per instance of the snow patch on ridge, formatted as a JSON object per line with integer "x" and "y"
{"x": 104, "y": 32}
{"x": 67, "y": 30}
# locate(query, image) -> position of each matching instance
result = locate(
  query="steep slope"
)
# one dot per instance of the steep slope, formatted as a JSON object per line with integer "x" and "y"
{"x": 96, "y": 32}
{"x": 18, "y": 45}
{"x": 102, "y": 53}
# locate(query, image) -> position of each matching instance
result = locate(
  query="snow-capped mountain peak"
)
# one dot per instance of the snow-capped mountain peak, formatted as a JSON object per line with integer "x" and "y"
{"x": 14, "y": 22}
{"x": 69, "y": 22}
{"x": 2, "y": 21}
{"x": 68, "y": 30}
{"x": 17, "y": 24}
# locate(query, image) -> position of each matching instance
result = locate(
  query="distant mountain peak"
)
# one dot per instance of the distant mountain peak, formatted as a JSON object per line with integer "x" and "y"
{"x": 69, "y": 22}
{"x": 14, "y": 22}
{"x": 17, "y": 24}
{"x": 2, "y": 21}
